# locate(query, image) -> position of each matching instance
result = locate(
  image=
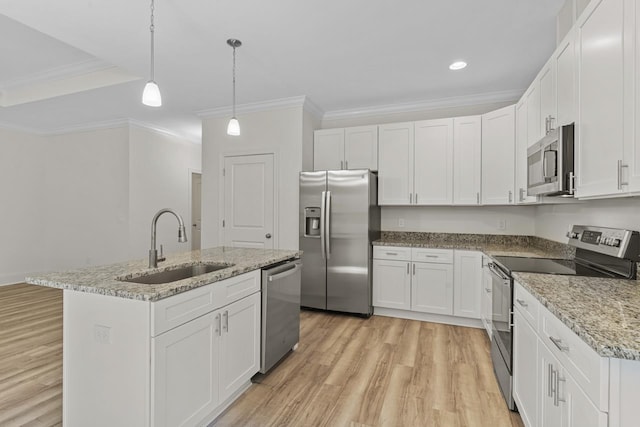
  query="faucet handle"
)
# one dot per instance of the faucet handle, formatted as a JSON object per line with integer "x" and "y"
{"x": 161, "y": 256}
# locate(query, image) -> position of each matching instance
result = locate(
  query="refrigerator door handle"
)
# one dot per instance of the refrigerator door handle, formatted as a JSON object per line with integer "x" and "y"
{"x": 323, "y": 208}
{"x": 327, "y": 216}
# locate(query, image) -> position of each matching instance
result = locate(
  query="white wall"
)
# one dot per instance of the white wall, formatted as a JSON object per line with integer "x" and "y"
{"x": 553, "y": 221}
{"x": 519, "y": 220}
{"x": 160, "y": 167}
{"x": 21, "y": 176}
{"x": 276, "y": 131}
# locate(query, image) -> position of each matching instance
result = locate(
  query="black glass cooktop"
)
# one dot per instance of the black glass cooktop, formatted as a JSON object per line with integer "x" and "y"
{"x": 546, "y": 266}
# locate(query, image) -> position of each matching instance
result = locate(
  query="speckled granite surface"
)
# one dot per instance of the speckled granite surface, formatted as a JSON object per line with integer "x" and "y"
{"x": 104, "y": 279}
{"x": 605, "y": 313}
{"x": 491, "y": 244}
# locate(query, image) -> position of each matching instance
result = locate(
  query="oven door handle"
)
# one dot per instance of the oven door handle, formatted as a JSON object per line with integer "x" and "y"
{"x": 497, "y": 272}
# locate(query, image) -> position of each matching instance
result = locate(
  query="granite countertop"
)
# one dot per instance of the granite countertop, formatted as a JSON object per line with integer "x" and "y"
{"x": 104, "y": 279}
{"x": 605, "y": 313}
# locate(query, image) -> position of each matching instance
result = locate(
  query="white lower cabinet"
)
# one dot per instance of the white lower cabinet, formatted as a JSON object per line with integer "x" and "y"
{"x": 392, "y": 284}
{"x": 525, "y": 364}
{"x": 467, "y": 284}
{"x": 486, "y": 304}
{"x": 432, "y": 288}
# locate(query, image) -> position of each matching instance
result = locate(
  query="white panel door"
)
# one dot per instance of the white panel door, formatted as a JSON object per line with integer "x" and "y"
{"x": 392, "y": 284}
{"x": 600, "y": 98}
{"x": 185, "y": 362}
{"x": 395, "y": 164}
{"x": 521, "y": 153}
{"x": 249, "y": 201}
{"x": 565, "y": 58}
{"x": 433, "y": 162}
{"x": 467, "y": 160}
{"x": 547, "y": 97}
{"x": 467, "y": 284}
{"x": 328, "y": 149}
{"x": 525, "y": 370}
{"x": 498, "y": 156}
{"x": 240, "y": 344}
{"x": 361, "y": 148}
{"x": 432, "y": 288}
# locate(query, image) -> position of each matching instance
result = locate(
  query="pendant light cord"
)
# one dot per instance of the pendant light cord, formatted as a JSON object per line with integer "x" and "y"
{"x": 234, "y": 82}
{"x": 151, "y": 29}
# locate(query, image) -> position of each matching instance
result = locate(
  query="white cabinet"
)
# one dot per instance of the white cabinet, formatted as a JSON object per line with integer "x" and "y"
{"x": 525, "y": 369}
{"x": 395, "y": 164}
{"x": 486, "y": 301}
{"x": 498, "y": 156}
{"x": 550, "y": 412}
{"x": 432, "y": 288}
{"x": 565, "y": 63}
{"x": 392, "y": 284}
{"x": 467, "y": 160}
{"x": 632, "y": 145}
{"x": 605, "y": 62}
{"x": 348, "y": 148}
{"x": 467, "y": 284}
{"x": 522, "y": 143}
{"x": 548, "y": 110}
{"x": 433, "y": 162}
{"x": 534, "y": 129}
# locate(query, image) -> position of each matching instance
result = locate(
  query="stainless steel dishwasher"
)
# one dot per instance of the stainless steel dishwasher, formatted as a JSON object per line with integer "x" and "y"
{"x": 280, "y": 311}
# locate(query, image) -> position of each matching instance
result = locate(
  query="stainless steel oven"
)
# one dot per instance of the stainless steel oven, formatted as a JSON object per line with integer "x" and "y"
{"x": 502, "y": 330}
{"x": 551, "y": 164}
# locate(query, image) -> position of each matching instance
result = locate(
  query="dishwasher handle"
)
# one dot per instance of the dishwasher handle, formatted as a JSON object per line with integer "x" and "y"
{"x": 293, "y": 268}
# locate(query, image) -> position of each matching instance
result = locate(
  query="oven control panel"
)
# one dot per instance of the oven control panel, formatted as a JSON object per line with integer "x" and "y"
{"x": 609, "y": 241}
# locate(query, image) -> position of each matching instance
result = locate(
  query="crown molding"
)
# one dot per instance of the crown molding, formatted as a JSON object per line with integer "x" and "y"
{"x": 163, "y": 131}
{"x": 88, "y": 127}
{"x": 455, "y": 101}
{"x": 312, "y": 108}
{"x": 254, "y": 107}
{"x": 57, "y": 73}
{"x": 23, "y": 129}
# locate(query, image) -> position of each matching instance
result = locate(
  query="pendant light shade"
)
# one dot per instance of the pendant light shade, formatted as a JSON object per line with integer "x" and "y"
{"x": 233, "y": 128}
{"x": 151, "y": 94}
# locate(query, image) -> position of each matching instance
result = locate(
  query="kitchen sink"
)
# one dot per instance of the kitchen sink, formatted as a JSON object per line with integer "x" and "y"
{"x": 176, "y": 274}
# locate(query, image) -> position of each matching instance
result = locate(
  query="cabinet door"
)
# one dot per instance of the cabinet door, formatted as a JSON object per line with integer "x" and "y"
{"x": 548, "y": 107}
{"x": 601, "y": 109}
{"x": 534, "y": 129}
{"x": 392, "y": 284}
{"x": 328, "y": 149}
{"x": 549, "y": 413}
{"x": 467, "y": 160}
{"x": 433, "y": 162}
{"x": 565, "y": 59}
{"x": 632, "y": 145}
{"x": 522, "y": 143}
{"x": 467, "y": 284}
{"x": 525, "y": 370}
{"x": 240, "y": 344}
{"x": 578, "y": 410}
{"x": 432, "y": 288}
{"x": 487, "y": 300}
{"x": 361, "y": 148}
{"x": 395, "y": 164}
{"x": 498, "y": 156}
{"x": 184, "y": 389}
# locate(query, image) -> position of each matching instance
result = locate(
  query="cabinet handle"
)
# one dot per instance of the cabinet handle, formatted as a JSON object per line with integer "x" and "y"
{"x": 558, "y": 343}
{"x": 556, "y": 397}
{"x": 554, "y": 373}
{"x": 510, "y": 196}
{"x": 572, "y": 183}
{"x": 226, "y": 321}
{"x": 477, "y": 198}
{"x": 391, "y": 253}
{"x": 487, "y": 290}
{"x": 407, "y": 268}
{"x": 219, "y": 323}
{"x": 416, "y": 202}
{"x": 346, "y": 164}
{"x": 549, "y": 380}
{"x": 623, "y": 166}
{"x": 521, "y": 192}
{"x": 619, "y": 174}
{"x": 414, "y": 269}
{"x": 341, "y": 164}
{"x": 410, "y": 198}
{"x": 522, "y": 302}
{"x": 432, "y": 256}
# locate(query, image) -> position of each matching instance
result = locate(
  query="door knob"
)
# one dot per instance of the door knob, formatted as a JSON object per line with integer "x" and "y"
{"x": 268, "y": 235}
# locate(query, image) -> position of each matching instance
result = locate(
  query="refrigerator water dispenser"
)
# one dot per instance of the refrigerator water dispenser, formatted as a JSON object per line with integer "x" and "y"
{"x": 312, "y": 222}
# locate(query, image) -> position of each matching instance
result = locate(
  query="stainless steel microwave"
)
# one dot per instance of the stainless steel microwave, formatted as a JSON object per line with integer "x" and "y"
{"x": 551, "y": 164}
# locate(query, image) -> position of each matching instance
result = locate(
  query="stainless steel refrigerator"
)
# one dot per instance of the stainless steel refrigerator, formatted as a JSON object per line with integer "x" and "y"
{"x": 339, "y": 218}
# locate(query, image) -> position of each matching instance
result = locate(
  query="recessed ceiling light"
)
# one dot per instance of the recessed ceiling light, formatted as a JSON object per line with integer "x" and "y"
{"x": 458, "y": 65}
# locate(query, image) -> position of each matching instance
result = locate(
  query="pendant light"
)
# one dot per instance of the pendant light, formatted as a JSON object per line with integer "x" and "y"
{"x": 151, "y": 94}
{"x": 233, "y": 128}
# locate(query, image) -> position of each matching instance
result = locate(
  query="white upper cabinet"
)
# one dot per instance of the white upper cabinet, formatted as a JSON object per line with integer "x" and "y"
{"x": 565, "y": 63}
{"x": 348, "y": 148}
{"x": 522, "y": 143}
{"x": 498, "y": 156}
{"x": 632, "y": 147}
{"x": 433, "y": 162}
{"x": 547, "y": 84}
{"x": 395, "y": 171}
{"x": 328, "y": 149}
{"x": 604, "y": 39}
{"x": 467, "y": 160}
{"x": 534, "y": 123}
{"x": 361, "y": 148}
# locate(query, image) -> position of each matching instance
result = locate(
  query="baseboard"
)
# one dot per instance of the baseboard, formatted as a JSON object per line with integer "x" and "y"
{"x": 428, "y": 317}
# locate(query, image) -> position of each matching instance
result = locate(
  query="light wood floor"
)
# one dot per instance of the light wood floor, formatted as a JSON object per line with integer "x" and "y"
{"x": 353, "y": 372}
{"x": 30, "y": 356}
{"x": 347, "y": 371}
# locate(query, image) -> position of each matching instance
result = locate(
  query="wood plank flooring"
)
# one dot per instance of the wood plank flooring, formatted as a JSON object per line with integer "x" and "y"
{"x": 347, "y": 371}
{"x": 30, "y": 356}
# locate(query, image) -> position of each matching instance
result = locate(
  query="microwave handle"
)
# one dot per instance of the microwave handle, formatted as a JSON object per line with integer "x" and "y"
{"x": 545, "y": 172}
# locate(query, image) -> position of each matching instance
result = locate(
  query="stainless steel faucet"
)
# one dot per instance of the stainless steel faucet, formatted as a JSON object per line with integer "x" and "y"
{"x": 182, "y": 235}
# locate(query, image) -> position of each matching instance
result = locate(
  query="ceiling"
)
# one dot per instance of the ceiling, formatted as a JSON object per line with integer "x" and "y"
{"x": 73, "y": 63}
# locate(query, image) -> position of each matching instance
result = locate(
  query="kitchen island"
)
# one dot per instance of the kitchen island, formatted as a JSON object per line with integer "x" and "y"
{"x": 165, "y": 354}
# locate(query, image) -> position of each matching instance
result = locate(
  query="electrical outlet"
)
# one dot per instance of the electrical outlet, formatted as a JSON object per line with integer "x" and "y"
{"x": 400, "y": 222}
{"x": 102, "y": 334}
{"x": 502, "y": 224}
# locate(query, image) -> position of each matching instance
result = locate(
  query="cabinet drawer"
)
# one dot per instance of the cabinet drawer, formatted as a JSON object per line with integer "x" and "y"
{"x": 527, "y": 304}
{"x": 589, "y": 370}
{"x": 440, "y": 256}
{"x": 174, "y": 311}
{"x": 392, "y": 252}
